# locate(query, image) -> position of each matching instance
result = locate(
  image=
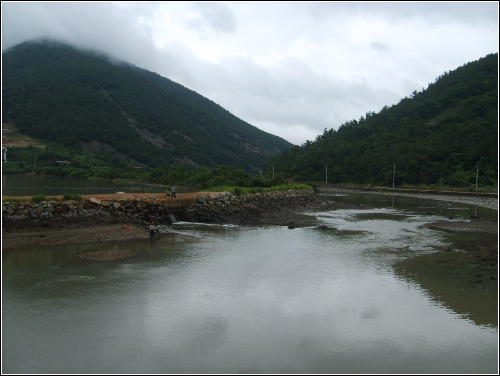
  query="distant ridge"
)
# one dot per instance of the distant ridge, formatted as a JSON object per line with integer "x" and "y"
{"x": 445, "y": 135}
{"x": 119, "y": 112}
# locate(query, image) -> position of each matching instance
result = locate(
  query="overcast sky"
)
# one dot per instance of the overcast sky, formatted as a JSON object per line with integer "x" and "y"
{"x": 289, "y": 68}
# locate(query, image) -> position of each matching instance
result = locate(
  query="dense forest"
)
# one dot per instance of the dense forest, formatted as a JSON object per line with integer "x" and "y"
{"x": 446, "y": 134}
{"x": 120, "y": 114}
{"x": 91, "y": 117}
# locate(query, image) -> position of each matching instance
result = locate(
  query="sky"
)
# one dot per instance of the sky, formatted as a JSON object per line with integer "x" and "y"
{"x": 292, "y": 69}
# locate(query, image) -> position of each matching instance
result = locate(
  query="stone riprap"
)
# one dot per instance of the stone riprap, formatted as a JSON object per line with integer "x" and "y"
{"x": 206, "y": 207}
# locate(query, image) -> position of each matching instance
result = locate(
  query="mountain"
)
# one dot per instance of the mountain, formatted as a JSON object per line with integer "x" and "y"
{"x": 446, "y": 134}
{"x": 118, "y": 112}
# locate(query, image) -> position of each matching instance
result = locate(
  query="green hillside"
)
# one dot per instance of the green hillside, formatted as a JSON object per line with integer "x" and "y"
{"x": 441, "y": 135}
{"x": 119, "y": 113}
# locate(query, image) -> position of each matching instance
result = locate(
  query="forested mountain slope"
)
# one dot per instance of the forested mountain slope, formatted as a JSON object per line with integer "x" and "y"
{"x": 119, "y": 112}
{"x": 442, "y": 134}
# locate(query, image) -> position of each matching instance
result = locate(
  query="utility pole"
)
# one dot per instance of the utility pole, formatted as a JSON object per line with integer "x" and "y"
{"x": 273, "y": 170}
{"x": 326, "y": 175}
{"x": 477, "y": 174}
{"x": 393, "y": 175}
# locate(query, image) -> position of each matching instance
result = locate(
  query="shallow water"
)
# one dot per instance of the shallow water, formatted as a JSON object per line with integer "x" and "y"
{"x": 347, "y": 298}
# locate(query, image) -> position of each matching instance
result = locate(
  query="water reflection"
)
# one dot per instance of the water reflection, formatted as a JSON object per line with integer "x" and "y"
{"x": 451, "y": 280}
{"x": 229, "y": 299}
{"x": 418, "y": 205}
{"x": 30, "y": 185}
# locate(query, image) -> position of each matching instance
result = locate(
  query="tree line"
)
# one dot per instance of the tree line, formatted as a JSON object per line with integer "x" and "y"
{"x": 439, "y": 136}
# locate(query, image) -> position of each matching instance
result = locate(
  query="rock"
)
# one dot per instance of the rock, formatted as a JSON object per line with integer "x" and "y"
{"x": 95, "y": 200}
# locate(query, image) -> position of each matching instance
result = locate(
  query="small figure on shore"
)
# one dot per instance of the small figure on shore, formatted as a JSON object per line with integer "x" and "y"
{"x": 167, "y": 193}
{"x": 173, "y": 192}
{"x": 152, "y": 230}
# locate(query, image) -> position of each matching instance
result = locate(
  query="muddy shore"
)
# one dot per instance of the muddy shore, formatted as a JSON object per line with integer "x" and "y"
{"x": 484, "y": 200}
{"x": 482, "y": 252}
{"x": 280, "y": 208}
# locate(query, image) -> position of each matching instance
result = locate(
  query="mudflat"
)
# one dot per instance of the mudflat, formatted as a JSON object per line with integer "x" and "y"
{"x": 74, "y": 233}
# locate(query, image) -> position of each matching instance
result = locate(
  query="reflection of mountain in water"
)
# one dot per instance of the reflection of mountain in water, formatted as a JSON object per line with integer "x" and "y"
{"x": 451, "y": 280}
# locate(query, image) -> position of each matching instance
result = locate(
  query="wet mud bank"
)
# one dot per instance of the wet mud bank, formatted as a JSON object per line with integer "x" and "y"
{"x": 480, "y": 243}
{"x": 282, "y": 208}
{"x": 100, "y": 218}
{"x": 481, "y": 246}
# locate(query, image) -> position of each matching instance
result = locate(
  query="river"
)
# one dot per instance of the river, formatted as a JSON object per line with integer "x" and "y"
{"x": 31, "y": 185}
{"x": 360, "y": 294}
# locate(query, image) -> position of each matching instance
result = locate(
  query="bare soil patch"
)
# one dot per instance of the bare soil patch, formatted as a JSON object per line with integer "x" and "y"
{"x": 20, "y": 141}
{"x": 71, "y": 234}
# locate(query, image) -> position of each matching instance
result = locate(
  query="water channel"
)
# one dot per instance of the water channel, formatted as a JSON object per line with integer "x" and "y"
{"x": 362, "y": 294}
{"x": 31, "y": 185}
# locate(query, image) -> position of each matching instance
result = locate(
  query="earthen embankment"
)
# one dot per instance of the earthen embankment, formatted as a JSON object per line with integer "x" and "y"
{"x": 220, "y": 207}
{"x": 101, "y": 217}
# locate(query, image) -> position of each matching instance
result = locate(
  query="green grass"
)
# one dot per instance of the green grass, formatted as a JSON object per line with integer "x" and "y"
{"x": 39, "y": 198}
{"x": 237, "y": 191}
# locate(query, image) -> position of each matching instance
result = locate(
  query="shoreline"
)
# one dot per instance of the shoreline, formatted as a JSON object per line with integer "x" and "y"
{"x": 110, "y": 229}
{"x": 72, "y": 234}
{"x": 483, "y": 252}
{"x": 489, "y": 201}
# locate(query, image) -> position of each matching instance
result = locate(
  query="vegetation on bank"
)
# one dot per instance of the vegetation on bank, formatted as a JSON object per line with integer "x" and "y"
{"x": 216, "y": 179}
{"x": 237, "y": 191}
{"x": 442, "y": 138}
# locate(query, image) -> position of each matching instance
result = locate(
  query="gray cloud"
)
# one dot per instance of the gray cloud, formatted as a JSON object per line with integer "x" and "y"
{"x": 380, "y": 47}
{"x": 290, "y": 68}
{"x": 215, "y": 16}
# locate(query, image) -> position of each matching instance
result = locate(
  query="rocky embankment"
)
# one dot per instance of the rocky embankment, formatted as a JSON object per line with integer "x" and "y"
{"x": 276, "y": 208}
{"x": 98, "y": 210}
{"x": 272, "y": 207}
{"x": 100, "y": 218}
